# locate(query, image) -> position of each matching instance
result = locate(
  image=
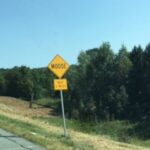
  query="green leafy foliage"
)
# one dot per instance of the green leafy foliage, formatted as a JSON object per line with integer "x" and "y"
{"x": 103, "y": 85}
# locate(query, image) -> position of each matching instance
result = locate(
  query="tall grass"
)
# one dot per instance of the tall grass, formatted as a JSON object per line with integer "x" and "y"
{"x": 50, "y": 141}
{"x": 46, "y": 129}
{"x": 122, "y": 131}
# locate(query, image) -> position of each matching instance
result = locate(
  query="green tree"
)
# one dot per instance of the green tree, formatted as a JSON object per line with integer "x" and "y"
{"x": 101, "y": 75}
{"x": 135, "y": 86}
{"x": 19, "y": 83}
{"x": 145, "y": 104}
{"x": 122, "y": 67}
{"x": 2, "y": 85}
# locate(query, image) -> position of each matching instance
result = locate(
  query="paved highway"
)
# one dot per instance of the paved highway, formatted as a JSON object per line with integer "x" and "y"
{"x": 9, "y": 141}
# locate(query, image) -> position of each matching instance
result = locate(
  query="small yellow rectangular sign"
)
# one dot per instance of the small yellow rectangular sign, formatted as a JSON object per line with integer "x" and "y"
{"x": 60, "y": 84}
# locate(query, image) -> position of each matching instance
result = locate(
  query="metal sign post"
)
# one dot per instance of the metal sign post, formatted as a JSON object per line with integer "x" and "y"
{"x": 63, "y": 112}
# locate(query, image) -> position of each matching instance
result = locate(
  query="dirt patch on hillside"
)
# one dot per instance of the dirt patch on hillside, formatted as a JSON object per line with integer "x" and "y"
{"x": 17, "y": 106}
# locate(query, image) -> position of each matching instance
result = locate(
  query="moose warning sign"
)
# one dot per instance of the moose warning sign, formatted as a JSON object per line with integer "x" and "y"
{"x": 58, "y": 66}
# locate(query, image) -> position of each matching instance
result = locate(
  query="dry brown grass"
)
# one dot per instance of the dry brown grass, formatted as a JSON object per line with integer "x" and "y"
{"x": 16, "y": 109}
{"x": 22, "y": 108}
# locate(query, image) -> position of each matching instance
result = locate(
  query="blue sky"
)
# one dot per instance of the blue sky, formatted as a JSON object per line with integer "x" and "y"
{"x": 32, "y": 32}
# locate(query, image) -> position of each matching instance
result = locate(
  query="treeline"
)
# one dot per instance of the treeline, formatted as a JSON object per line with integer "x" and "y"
{"x": 103, "y": 85}
{"x": 22, "y": 82}
{"x": 107, "y": 86}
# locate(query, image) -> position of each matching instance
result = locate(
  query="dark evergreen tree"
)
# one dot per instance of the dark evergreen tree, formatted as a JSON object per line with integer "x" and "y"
{"x": 135, "y": 86}
{"x": 145, "y": 104}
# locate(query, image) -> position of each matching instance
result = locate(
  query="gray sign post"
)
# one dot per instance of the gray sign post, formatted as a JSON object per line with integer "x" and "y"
{"x": 63, "y": 112}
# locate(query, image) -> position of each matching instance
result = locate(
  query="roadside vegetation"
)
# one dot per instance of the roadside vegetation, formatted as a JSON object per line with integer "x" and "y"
{"x": 103, "y": 85}
{"x": 41, "y": 126}
{"x": 109, "y": 95}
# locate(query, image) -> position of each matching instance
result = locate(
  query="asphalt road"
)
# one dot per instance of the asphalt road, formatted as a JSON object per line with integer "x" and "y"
{"x": 9, "y": 141}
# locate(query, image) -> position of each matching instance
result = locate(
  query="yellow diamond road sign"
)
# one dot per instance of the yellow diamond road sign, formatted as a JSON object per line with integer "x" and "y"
{"x": 58, "y": 66}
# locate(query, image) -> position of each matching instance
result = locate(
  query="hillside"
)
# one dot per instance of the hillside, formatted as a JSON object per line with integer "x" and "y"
{"x": 15, "y": 116}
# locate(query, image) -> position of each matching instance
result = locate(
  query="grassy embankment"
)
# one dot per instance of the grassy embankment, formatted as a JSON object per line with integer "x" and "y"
{"x": 40, "y": 126}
